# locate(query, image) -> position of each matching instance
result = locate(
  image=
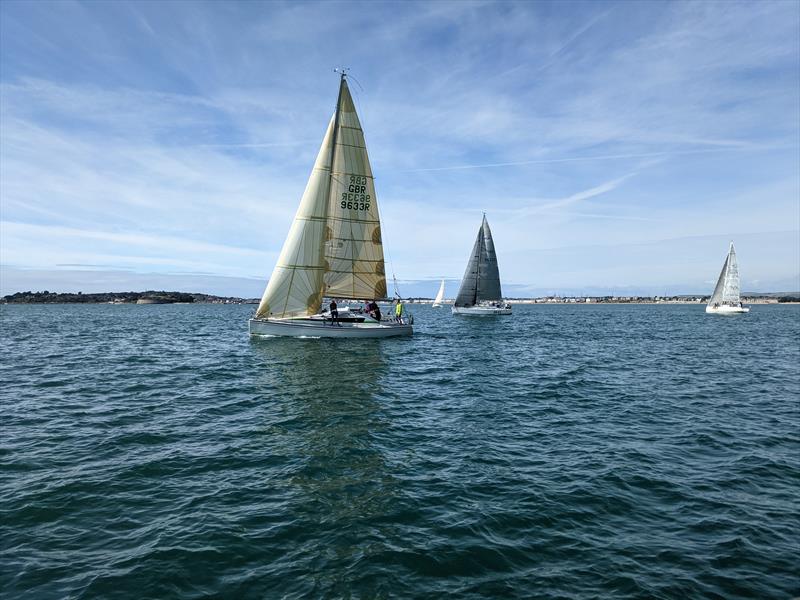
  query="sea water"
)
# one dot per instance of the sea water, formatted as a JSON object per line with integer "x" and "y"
{"x": 157, "y": 451}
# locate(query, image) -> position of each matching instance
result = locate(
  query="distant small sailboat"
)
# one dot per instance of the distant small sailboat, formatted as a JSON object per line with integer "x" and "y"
{"x": 726, "y": 299}
{"x": 334, "y": 247}
{"x": 480, "y": 294}
{"x": 437, "y": 302}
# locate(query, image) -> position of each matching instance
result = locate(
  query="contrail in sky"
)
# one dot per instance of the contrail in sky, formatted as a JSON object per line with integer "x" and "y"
{"x": 570, "y": 159}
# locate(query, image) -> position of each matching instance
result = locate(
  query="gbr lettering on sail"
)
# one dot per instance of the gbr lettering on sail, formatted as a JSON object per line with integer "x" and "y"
{"x": 356, "y": 196}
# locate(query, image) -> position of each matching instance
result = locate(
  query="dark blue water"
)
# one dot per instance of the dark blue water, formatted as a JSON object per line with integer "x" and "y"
{"x": 565, "y": 452}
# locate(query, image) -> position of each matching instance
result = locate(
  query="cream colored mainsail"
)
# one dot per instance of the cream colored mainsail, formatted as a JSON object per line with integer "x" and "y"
{"x": 353, "y": 248}
{"x": 334, "y": 246}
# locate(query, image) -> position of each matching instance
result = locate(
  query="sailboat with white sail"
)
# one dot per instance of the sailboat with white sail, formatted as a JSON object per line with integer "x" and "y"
{"x": 439, "y": 300}
{"x": 480, "y": 294}
{"x": 334, "y": 248}
{"x": 726, "y": 299}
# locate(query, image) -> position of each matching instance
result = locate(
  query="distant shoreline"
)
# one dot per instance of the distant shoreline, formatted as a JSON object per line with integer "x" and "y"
{"x": 147, "y": 297}
{"x": 164, "y": 297}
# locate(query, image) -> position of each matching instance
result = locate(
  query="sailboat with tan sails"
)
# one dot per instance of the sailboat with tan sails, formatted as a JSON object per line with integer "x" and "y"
{"x": 334, "y": 248}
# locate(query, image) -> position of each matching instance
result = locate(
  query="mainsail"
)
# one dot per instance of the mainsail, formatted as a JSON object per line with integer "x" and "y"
{"x": 354, "y": 265}
{"x": 440, "y": 295}
{"x": 334, "y": 246}
{"x": 481, "y": 280}
{"x": 727, "y": 288}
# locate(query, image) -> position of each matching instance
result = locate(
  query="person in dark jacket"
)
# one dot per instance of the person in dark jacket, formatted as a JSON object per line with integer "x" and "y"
{"x": 334, "y": 313}
{"x": 374, "y": 310}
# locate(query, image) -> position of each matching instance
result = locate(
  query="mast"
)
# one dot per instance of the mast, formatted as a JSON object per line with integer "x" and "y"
{"x": 336, "y": 116}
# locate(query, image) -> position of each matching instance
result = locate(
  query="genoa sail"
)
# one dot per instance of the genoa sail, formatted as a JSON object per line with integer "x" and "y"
{"x": 295, "y": 286}
{"x": 727, "y": 291}
{"x": 440, "y": 295}
{"x": 334, "y": 246}
{"x": 481, "y": 281}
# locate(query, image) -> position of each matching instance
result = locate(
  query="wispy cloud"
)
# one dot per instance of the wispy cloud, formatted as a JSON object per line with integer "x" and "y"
{"x": 732, "y": 146}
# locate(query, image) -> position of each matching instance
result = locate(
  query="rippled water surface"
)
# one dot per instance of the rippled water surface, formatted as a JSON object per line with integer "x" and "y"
{"x": 565, "y": 452}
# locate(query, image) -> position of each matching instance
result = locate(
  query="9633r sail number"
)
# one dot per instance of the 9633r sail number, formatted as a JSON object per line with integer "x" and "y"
{"x": 356, "y": 197}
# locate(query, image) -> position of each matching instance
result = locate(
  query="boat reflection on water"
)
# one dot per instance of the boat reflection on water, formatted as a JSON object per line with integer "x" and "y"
{"x": 324, "y": 418}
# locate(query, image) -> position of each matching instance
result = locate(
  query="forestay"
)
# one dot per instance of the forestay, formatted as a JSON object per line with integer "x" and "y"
{"x": 295, "y": 287}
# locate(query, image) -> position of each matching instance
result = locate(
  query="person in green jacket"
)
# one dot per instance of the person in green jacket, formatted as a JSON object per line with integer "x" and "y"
{"x": 398, "y": 312}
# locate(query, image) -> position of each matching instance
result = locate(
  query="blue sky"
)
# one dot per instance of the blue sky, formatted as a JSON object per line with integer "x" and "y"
{"x": 615, "y": 147}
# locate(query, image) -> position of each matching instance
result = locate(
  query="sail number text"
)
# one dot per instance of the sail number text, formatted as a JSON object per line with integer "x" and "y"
{"x": 356, "y": 197}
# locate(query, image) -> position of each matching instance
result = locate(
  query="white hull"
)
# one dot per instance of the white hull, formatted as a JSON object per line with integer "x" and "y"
{"x": 318, "y": 328}
{"x": 727, "y": 310}
{"x": 436, "y": 306}
{"x": 480, "y": 311}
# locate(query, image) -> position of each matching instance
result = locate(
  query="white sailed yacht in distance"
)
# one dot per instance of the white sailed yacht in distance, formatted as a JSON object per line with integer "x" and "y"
{"x": 437, "y": 302}
{"x": 334, "y": 247}
{"x": 480, "y": 294}
{"x": 726, "y": 299}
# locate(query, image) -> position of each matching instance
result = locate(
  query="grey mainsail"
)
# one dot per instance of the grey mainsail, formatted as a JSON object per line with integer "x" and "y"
{"x": 481, "y": 281}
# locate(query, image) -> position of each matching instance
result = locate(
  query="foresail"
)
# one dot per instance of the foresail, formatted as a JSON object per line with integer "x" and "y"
{"x": 716, "y": 296}
{"x": 354, "y": 265}
{"x": 489, "y": 275}
{"x": 467, "y": 293}
{"x": 295, "y": 287}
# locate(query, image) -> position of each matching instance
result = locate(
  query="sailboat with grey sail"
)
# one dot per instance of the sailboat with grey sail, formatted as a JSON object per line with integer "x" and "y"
{"x": 480, "y": 294}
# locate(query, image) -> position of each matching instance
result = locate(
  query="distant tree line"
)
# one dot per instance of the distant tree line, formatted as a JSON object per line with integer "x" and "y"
{"x": 47, "y": 297}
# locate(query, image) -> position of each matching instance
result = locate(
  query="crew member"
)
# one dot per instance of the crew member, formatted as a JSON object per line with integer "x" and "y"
{"x": 334, "y": 313}
{"x": 374, "y": 310}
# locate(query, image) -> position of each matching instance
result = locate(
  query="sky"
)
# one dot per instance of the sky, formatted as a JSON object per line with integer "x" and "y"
{"x": 615, "y": 147}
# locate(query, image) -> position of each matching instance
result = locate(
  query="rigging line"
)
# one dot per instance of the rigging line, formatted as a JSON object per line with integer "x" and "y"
{"x": 361, "y": 110}
{"x": 391, "y": 266}
{"x": 385, "y": 249}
